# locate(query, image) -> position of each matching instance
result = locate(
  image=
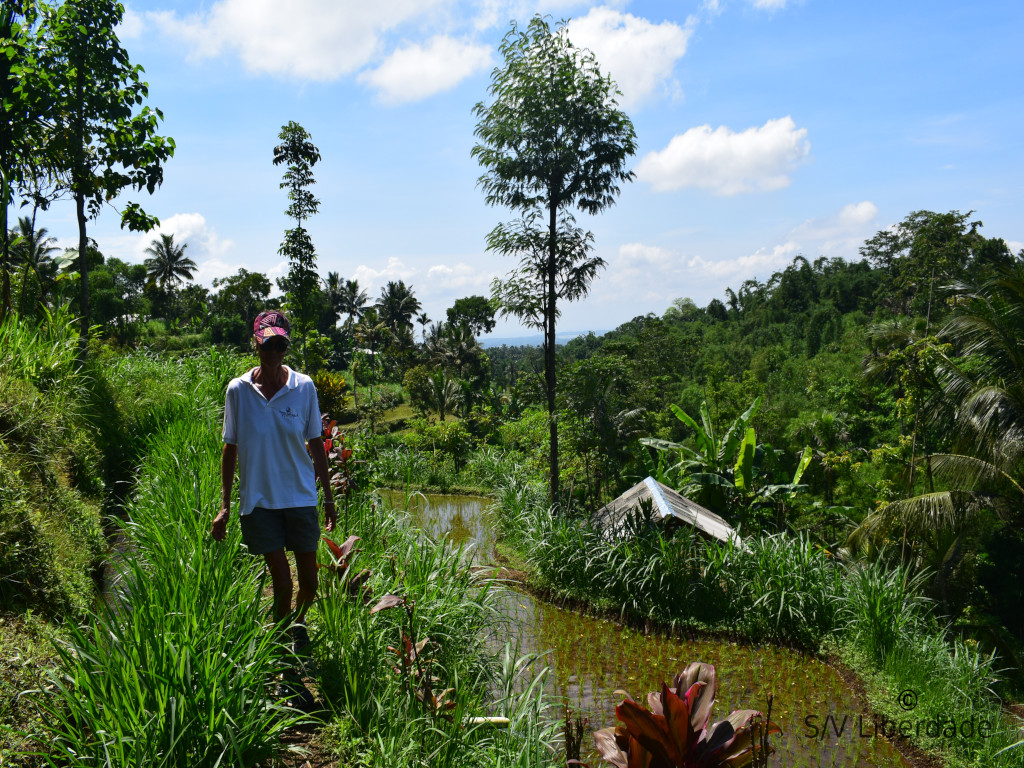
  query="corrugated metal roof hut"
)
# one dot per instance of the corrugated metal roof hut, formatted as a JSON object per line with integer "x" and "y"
{"x": 618, "y": 517}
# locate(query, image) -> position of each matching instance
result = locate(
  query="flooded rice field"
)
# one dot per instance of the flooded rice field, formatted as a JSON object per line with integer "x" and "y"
{"x": 590, "y": 659}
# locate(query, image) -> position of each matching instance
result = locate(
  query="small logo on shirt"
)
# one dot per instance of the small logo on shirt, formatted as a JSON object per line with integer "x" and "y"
{"x": 288, "y": 413}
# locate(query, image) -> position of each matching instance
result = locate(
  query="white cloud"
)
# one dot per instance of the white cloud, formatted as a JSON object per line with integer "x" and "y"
{"x": 132, "y": 25}
{"x": 418, "y": 71}
{"x": 655, "y": 275}
{"x": 858, "y": 213}
{"x": 647, "y": 274}
{"x": 638, "y": 54}
{"x": 637, "y": 256}
{"x": 318, "y": 40}
{"x": 769, "y": 5}
{"x": 204, "y": 246}
{"x": 837, "y": 235}
{"x": 189, "y": 228}
{"x": 726, "y": 162}
{"x": 758, "y": 264}
{"x": 214, "y": 269}
{"x": 1014, "y": 246}
{"x": 444, "y": 279}
{"x": 371, "y": 279}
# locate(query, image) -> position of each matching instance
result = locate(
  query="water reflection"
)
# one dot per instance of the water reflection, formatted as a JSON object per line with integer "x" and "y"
{"x": 591, "y": 659}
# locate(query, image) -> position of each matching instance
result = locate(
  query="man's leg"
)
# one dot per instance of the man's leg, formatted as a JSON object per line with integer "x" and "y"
{"x": 281, "y": 578}
{"x": 306, "y": 568}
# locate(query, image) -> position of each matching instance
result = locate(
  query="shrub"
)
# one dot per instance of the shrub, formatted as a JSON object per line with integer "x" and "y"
{"x": 332, "y": 392}
{"x": 417, "y": 383}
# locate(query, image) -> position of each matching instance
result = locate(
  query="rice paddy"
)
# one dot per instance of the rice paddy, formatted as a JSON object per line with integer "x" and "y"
{"x": 592, "y": 658}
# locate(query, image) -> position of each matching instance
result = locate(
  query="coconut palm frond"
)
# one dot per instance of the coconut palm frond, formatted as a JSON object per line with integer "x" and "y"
{"x": 930, "y": 513}
{"x": 868, "y": 538}
{"x": 994, "y": 418}
{"x": 970, "y": 472}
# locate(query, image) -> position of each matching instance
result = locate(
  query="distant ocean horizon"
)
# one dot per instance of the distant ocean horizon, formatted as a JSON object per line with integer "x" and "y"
{"x": 536, "y": 340}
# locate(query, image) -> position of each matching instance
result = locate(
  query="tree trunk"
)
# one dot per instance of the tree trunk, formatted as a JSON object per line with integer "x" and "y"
{"x": 83, "y": 272}
{"x": 549, "y": 350}
{"x": 79, "y": 192}
{"x": 5, "y": 255}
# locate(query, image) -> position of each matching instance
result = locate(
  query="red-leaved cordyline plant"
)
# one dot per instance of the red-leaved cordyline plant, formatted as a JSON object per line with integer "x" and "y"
{"x": 342, "y": 566}
{"x": 675, "y": 731}
{"x": 339, "y": 461}
{"x": 416, "y": 664}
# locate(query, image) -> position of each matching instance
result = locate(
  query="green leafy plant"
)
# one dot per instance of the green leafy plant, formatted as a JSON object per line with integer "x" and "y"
{"x": 675, "y": 731}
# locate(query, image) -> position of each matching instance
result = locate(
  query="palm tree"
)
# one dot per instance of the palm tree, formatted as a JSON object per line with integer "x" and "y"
{"x": 334, "y": 290}
{"x": 397, "y": 306}
{"x": 424, "y": 321}
{"x": 374, "y": 334}
{"x": 444, "y": 394}
{"x": 984, "y": 470}
{"x": 459, "y": 347}
{"x": 353, "y": 301}
{"x": 35, "y": 251}
{"x": 168, "y": 263}
{"x": 828, "y": 432}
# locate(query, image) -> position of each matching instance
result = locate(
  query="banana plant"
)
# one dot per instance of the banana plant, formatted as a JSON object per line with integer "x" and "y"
{"x": 720, "y": 469}
{"x": 719, "y": 463}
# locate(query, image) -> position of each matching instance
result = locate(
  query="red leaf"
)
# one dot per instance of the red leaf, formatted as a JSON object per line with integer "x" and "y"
{"x": 341, "y": 554}
{"x": 677, "y": 719}
{"x": 609, "y": 749}
{"x": 641, "y": 758}
{"x": 648, "y": 729}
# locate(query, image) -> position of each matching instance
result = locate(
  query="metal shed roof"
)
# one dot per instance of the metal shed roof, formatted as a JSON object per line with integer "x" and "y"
{"x": 665, "y": 503}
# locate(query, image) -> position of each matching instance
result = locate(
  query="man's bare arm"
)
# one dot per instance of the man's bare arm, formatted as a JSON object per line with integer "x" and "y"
{"x": 316, "y": 451}
{"x": 228, "y": 461}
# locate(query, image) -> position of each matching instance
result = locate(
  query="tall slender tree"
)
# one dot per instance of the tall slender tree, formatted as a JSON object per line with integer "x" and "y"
{"x": 299, "y": 155}
{"x": 552, "y": 139}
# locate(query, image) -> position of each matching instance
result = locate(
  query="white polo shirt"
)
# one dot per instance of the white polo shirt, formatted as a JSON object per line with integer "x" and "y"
{"x": 274, "y": 469}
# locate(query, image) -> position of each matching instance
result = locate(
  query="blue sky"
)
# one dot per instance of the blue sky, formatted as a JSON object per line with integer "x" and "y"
{"x": 766, "y": 128}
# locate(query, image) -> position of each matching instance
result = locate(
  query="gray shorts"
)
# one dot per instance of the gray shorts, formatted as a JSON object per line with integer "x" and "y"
{"x": 294, "y": 528}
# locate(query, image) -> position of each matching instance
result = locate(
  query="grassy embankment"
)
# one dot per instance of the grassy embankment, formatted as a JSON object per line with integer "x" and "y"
{"x": 179, "y": 673}
{"x": 779, "y": 590}
{"x": 70, "y": 438}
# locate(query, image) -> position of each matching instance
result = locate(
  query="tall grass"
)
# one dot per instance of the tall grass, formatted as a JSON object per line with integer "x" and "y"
{"x": 775, "y": 588}
{"x": 50, "y": 480}
{"x": 175, "y": 671}
{"x": 454, "y": 610}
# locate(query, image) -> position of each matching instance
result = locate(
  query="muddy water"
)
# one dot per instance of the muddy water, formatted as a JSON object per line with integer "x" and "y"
{"x": 590, "y": 659}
